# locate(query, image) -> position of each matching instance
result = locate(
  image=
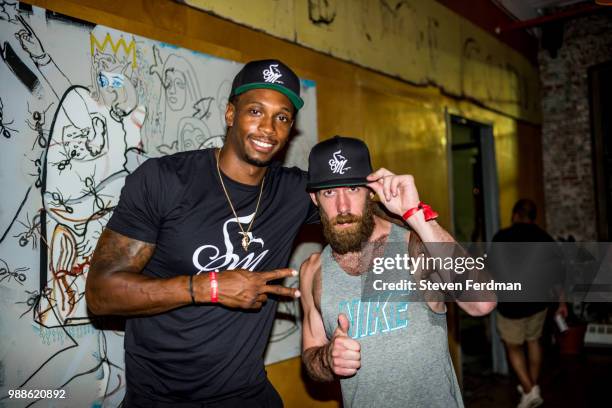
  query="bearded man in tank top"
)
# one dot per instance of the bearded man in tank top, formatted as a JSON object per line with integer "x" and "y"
{"x": 385, "y": 353}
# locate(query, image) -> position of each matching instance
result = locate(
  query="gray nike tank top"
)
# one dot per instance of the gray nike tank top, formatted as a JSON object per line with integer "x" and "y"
{"x": 405, "y": 360}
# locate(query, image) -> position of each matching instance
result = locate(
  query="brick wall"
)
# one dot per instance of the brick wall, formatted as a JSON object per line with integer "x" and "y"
{"x": 566, "y": 132}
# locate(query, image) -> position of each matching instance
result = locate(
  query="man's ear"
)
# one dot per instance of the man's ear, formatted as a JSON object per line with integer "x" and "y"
{"x": 230, "y": 111}
{"x": 313, "y": 197}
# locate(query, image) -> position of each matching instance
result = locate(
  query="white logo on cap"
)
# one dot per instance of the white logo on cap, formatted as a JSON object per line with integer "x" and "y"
{"x": 272, "y": 74}
{"x": 338, "y": 162}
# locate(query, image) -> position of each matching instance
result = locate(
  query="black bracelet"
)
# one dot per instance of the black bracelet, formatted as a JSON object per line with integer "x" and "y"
{"x": 191, "y": 289}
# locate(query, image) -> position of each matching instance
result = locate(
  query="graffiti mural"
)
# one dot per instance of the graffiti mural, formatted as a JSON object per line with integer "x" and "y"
{"x": 81, "y": 107}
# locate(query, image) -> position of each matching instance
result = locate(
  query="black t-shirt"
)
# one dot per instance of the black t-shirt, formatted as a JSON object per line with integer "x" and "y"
{"x": 205, "y": 352}
{"x": 521, "y": 232}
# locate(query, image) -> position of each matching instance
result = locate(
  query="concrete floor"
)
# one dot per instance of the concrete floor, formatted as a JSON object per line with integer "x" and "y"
{"x": 583, "y": 380}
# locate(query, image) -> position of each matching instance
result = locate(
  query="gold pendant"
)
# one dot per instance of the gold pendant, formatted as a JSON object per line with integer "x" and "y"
{"x": 245, "y": 241}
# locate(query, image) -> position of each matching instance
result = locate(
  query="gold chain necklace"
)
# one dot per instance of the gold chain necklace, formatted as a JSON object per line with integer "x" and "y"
{"x": 246, "y": 239}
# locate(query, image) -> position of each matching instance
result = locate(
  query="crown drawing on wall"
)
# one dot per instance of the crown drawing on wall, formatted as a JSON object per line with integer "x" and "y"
{"x": 119, "y": 48}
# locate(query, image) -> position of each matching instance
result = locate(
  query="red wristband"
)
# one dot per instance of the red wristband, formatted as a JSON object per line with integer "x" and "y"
{"x": 427, "y": 212}
{"x": 214, "y": 287}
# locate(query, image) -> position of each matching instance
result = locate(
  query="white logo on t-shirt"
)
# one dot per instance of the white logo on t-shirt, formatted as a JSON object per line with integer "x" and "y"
{"x": 272, "y": 74}
{"x": 337, "y": 163}
{"x": 216, "y": 261}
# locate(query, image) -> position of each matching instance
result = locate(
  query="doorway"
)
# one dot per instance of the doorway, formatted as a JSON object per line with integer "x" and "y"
{"x": 475, "y": 219}
{"x": 473, "y": 180}
{"x": 467, "y": 181}
{"x": 600, "y": 95}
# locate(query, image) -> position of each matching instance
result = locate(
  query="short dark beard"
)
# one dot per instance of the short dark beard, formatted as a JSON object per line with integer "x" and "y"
{"x": 345, "y": 241}
{"x": 233, "y": 138}
{"x": 234, "y": 100}
{"x": 254, "y": 162}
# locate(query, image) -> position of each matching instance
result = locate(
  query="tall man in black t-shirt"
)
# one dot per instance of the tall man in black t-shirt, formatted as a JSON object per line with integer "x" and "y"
{"x": 183, "y": 253}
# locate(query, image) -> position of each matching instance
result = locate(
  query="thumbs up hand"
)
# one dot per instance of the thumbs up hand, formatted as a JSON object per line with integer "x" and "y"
{"x": 343, "y": 353}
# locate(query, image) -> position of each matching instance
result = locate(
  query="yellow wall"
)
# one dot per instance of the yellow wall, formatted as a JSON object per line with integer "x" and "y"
{"x": 420, "y": 41}
{"x": 403, "y": 124}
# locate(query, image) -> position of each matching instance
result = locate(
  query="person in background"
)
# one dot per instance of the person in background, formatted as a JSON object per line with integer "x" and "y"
{"x": 520, "y": 325}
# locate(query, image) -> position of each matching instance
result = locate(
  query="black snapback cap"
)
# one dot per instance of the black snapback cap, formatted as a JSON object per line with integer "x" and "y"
{"x": 269, "y": 74}
{"x": 338, "y": 162}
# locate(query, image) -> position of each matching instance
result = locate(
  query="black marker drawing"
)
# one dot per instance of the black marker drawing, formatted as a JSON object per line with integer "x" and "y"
{"x": 36, "y": 122}
{"x": 8, "y": 228}
{"x": 57, "y": 200}
{"x": 52, "y": 75}
{"x": 21, "y": 70}
{"x": 85, "y": 170}
{"x": 4, "y": 128}
{"x": 31, "y": 232}
{"x": 75, "y": 141}
{"x": 98, "y": 198}
{"x": 16, "y": 274}
{"x": 181, "y": 110}
{"x": 103, "y": 367}
{"x": 223, "y": 92}
{"x": 62, "y": 164}
{"x": 32, "y": 45}
{"x": 8, "y": 10}
{"x": 38, "y": 174}
{"x": 31, "y": 302}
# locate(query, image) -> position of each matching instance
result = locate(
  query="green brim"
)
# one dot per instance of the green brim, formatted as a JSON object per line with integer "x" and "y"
{"x": 295, "y": 100}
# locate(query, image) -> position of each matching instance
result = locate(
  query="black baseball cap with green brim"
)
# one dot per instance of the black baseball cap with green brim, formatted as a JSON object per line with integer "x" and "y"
{"x": 268, "y": 74}
{"x": 338, "y": 162}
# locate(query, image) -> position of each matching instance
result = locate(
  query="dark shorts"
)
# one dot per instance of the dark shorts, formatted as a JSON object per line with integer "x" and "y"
{"x": 264, "y": 396}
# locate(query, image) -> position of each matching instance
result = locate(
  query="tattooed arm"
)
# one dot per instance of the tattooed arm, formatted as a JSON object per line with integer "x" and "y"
{"x": 324, "y": 358}
{"x": 314, "y": 353}
{"x": 115, "y": 284}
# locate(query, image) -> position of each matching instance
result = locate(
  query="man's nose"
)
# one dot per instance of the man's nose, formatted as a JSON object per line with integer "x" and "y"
{"x": 266, "y": 125}
{"x": 343, "y": 205}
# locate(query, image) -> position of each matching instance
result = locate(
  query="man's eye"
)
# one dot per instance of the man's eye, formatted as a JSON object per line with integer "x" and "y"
{"x": 254, "y": 112}
{"x": 355, "y": 188}
{"x": 328, "y": 193}
{"x": 284, "y": 118}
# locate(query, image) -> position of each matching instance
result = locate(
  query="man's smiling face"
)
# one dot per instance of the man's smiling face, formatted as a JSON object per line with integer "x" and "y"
{"x": 260, "y": 121}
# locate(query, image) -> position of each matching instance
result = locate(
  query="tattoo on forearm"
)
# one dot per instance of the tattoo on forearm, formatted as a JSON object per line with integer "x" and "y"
{"x": 117, "y": 252}
{"x": 114, "y": 283}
